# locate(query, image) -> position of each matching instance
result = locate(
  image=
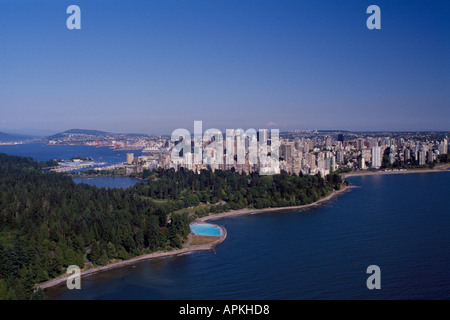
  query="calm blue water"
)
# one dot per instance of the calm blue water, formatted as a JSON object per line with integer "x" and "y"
{"x": 108, "y": 182}
{"x": 399, "y": 222}
{"x": 44, "y": 152}
{"x": 205, "y": 229}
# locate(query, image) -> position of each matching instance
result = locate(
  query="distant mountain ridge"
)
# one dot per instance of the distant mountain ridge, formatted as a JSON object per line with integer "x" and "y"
{"x": 94, "y": 133}
{"x": 8, "y": 137}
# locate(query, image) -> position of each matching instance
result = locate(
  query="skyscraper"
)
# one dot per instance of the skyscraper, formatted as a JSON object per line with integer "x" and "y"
{"x": 130, "y": 158}
{"x": 376, "y": 157}
{"x": 328, "y": 142}
{"x": 443, "y": 147}
{"x": 422, "y": 157}
{"x": 362, "y": 163}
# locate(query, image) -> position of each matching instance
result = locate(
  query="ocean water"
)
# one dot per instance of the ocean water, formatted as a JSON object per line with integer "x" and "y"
{"x": 400, "y": 223}
{"x": 44, "y": 152}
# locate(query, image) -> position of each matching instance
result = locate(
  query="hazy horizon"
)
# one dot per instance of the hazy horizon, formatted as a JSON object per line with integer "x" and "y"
{"x": 47, "y": 133}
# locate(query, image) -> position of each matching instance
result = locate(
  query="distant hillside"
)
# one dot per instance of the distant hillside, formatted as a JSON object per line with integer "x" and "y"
{"x": 7, "y": 137}
{"x": 79, "y": 131}
{"x": 32, "y": 132}
{"x": 92, "y": 133}
{"x": 88, "y": 132}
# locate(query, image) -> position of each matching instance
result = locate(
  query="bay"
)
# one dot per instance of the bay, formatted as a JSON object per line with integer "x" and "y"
{"x": 43, "y": 152}
{"x": 400, "y": 223}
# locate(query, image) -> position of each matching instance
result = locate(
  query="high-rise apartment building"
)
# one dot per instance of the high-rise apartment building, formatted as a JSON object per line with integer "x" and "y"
{"x": 422, "y": 157}
{"x": 376, "y": 157}
{"x": 130, "y": 158}
{"x": 362, "y": 163}
{"x": 443, "y": 147}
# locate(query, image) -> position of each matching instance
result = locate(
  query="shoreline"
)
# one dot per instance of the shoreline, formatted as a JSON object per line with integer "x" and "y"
{"x": 104, "y": 176}
{"x": 187, "y": 248}
{"x": 239, "y": 212}
{"x": 407, "y": 171}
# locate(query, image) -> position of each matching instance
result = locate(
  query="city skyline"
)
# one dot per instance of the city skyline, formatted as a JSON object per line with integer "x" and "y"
{"x": 265, "y": 151}
{"x": 148, "y": 67}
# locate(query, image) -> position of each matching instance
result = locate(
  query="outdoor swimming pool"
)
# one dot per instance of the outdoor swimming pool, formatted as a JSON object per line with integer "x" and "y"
{"x": 205, "y": 229}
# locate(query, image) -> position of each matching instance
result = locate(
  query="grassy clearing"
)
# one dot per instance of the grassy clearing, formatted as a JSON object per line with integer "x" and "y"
{"x": 199, "y": 240}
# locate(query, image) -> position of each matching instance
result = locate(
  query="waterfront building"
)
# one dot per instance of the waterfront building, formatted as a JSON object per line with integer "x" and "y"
{"x": 407, "y": 154}
{"x": 362, "y": 163}
{"x": 430, "y": 157}
{"x": 333, "y": 164}
{"x": 376, "y": 157}
{"x": 340, "y": 157}
{"x": 130, "y": 158}
{"x": 443, "y": 147}
{"x": 367, "y": 155}
{"x": 311, "y": 160}
{"x": 421, "y": 155}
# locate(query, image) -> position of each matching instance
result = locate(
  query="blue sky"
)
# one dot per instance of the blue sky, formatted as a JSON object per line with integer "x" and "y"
{"x": 154, "y": 66}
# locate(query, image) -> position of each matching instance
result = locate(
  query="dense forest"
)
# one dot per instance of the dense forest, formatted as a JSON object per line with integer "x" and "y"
{"x": 229, "y": 190}
{"x": 47, "y": 222}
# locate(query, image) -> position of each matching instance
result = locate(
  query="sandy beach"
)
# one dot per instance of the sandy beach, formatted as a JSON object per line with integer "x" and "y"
{"x": 255, "y": 211}
{"x": 187, "y": 248}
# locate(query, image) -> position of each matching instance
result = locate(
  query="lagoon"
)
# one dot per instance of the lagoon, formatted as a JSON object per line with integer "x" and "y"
{"x": 108, "y": 182}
